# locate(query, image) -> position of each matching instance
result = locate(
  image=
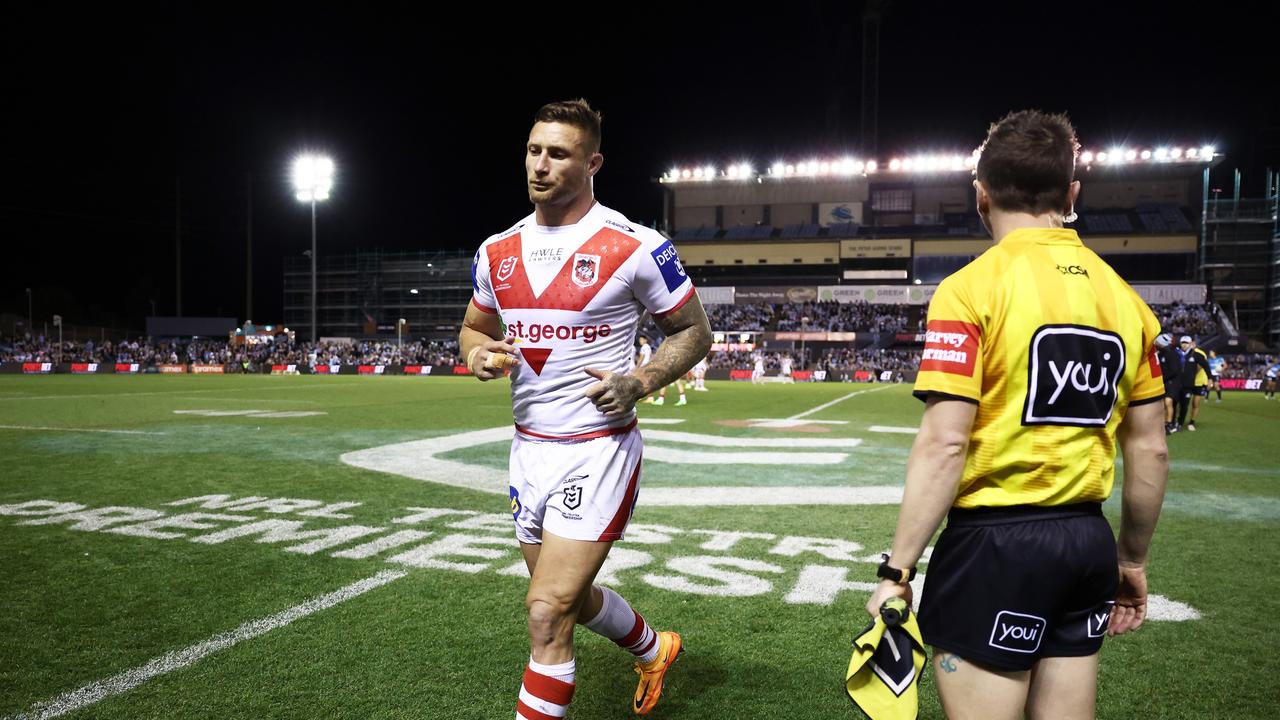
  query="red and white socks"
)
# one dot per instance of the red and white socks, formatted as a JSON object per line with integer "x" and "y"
{"x": 546, "y": 691}
{"x": 624, "y": 626}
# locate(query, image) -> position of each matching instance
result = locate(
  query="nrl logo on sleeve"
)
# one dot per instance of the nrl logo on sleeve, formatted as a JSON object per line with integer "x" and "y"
{"x": 950, "y": 346}
{"x": 586, "y": 269}
{"x": 506, "y": 268}
{"x": 1073, "y": 376}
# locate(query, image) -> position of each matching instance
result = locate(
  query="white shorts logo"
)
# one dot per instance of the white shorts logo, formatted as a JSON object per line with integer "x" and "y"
{"x": 1017, "y": 632}
{"x": 1098, "y": 622}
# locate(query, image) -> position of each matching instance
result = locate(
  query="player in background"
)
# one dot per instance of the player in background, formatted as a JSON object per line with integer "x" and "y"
{"x": 1272, "y": 374}
{"x": 1170, "y": 369}
{"x": 700, "y": 375}
{"x": 786, "y": 366}
{"x": 1192, "y": 364}
{"x": 1217, "y": 365}
{"x": 643, "y": 355}
{"x": 1201, "y": 388}
{"x": 757, "y": 372}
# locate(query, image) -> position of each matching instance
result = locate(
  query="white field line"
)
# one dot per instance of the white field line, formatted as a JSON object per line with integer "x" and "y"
{"x": 660, "y": 421}
{"x": 187, "y": 391}
{"x": 840, "y": 399}
{"x": 178, "y": 659}
{"x": 893, "y": 429}
{"x": 89, "y": 430}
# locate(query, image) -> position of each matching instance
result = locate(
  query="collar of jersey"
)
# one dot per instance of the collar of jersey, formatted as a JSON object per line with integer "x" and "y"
{"x": 596, "y": 208}
{"x": 1041, "y": 236}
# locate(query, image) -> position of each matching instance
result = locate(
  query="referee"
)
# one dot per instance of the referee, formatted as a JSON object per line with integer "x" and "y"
{"x": 1037, "y": 359}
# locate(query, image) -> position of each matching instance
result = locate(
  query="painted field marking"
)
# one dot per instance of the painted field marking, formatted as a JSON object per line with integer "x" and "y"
{"x": 178, "y": 659}
{"x": 660, "y": 421}
{"x": 89, "y": 430}
{"x": 894, "y": 429}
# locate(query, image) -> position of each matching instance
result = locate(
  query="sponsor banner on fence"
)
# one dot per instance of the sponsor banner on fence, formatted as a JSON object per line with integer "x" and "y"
{"x": 1171, "y": 293}
{"x": 461, "y": 370}
{"x": 802, "y": 375}
{"x": 35, "y": 368}
{"x": 1241, "y": 384}
{"x": 206, "y": 369}
{"x": 732, "y": 347}
{"x": 370, "y": 369}
{"x": 284, "y": 369}
{"x": 128, "y": 368}
{"x": 909, "y": 337}
{"x": 775, "y": 294}
{"x": 417, "y": 369}
{"x": 84, "y": 368}
{"x": 809, "y": 336}
{"x": 739, "y": 374}
{"x": 327, "y": 369}
{"x": 878, "y": 294}
{"x": 172, "y": 369}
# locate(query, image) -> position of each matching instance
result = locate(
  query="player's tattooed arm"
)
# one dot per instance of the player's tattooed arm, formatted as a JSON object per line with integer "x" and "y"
{"x": 688, "y": 341}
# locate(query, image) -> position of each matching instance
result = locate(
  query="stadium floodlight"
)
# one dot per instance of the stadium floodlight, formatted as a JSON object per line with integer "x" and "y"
{"x": 745, "y": 170}
{"x": 824, "y": 168}
{"x": 1176, "y": 153}
{"x": 1162, "y": 153}
{"x": 859, "y": 166}
{"x": 674, "y": 174}
{"x": 895, "y": 164}
{"x": 1102, "y": 157}
{"x": 908, "y": 164}
{"x": 872, "y": 166}
{"x": 313, "y": 179}
{"x": 686, "y": 174}
{"x": 1131, "y": 155}
{"x": 791, "y": 169}
{"x": 708, "y": 172}
{"x": 697, "y": 173}
{"x": 812, "y": 167}
{"x": 413, "y": 291}
{"x": 777, "y": 169}
{"x": 1191, "y": 152}
{"x": 1146, "y": 154}
{"x": 1086, "y": 157}
{"x": 1206, "y": 152}
{"x": 1116, "y": 155}
{"x": 732, "y": 172}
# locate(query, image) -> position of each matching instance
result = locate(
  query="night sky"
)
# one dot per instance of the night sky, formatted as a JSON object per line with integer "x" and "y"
{"x": 425, "y": 112}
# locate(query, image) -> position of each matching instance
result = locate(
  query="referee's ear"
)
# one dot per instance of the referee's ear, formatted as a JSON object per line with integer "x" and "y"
{"x": 1073, "y": 192}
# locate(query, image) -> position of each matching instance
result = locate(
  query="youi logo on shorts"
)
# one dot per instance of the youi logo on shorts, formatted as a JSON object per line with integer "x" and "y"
{"x": 1017, "y": 632}
{"x": 1074, "y": 374}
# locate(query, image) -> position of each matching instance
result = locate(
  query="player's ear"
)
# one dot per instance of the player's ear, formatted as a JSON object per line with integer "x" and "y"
{"x": 594, "y": 163}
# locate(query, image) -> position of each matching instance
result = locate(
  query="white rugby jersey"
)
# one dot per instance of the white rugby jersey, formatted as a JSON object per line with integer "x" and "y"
{"x": 573, "y": 296}
{"x": 646, "y": 354}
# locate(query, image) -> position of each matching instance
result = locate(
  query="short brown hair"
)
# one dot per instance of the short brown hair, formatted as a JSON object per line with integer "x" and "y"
{"x": 577, "y": 113}
{"x": 1028, "y": 161}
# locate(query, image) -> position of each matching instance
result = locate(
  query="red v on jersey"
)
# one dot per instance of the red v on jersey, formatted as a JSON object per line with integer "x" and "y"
{"x": 595, "y": 262}
{"x": 535, "y": 358}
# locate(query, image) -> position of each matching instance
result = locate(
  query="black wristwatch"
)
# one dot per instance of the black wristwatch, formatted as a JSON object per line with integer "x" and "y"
{"x": 902, "y": 577}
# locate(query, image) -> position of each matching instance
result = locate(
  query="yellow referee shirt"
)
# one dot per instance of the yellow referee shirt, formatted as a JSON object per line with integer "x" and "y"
{"x": 1053, "y": 347}
{"x": 1202, "y": 378}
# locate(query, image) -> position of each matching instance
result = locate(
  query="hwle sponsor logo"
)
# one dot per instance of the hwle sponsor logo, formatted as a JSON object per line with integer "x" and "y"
{"x": 1017, "y": 632}
{"x": 1074, "y": 376}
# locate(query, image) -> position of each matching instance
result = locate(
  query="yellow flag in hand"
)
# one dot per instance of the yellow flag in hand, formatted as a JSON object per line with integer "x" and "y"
{"x": 883, "y": 679}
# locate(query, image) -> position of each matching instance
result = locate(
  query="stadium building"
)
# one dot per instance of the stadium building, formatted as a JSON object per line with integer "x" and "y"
{"x": 879, "y": 231}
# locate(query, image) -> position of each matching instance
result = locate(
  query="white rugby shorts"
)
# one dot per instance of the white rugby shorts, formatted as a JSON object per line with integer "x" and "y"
{"x": 576, "y": 489}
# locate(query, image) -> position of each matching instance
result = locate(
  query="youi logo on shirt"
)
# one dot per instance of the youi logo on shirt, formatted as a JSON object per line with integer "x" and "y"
{"x": 669, "y": 263}
{"x": 1074, "y": 372}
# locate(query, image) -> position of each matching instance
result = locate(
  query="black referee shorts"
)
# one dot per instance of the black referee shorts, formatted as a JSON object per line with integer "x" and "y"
{"x": 1008, "y": 586}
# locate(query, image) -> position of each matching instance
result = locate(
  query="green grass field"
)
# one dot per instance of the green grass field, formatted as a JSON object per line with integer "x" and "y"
{"x": 116, "y": 614}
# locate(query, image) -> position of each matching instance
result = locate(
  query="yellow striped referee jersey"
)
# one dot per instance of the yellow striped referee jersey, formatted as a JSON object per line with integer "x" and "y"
{"x": 1053, "y": 346}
